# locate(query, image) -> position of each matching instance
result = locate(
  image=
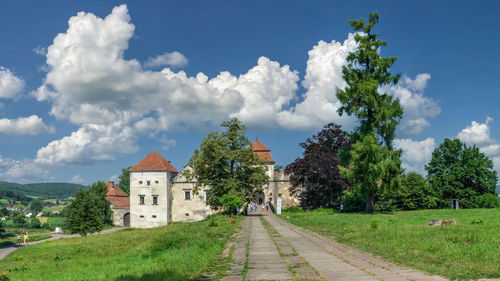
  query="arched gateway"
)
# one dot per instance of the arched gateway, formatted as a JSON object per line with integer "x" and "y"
{"x": 126, "y": 220}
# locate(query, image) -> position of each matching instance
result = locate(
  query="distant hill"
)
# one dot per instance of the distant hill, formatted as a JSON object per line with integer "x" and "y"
{"x": 49, "y": 190}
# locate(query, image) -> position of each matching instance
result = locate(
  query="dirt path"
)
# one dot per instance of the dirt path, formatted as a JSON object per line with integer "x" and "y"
{"x": 9, "y": 249}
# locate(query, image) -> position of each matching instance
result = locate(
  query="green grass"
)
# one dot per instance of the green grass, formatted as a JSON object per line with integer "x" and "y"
{"x": 468, "y": 250}
{"x": 179, "y": 251}
{"x": 13, "y": 241}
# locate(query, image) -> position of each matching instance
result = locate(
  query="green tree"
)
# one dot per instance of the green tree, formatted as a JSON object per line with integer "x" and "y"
{"x": 458, "y": 171}
{"x": 19, "y": 219}
{"x": 100, "y": 189}
{"x": 124, "y": 183}
{"x": 83, "y": 214}
{"x": 226, "y": 163}
{"x": 36, "y": 206}
{"x": 376, "y": 166}
{"x": 231, "y": 202}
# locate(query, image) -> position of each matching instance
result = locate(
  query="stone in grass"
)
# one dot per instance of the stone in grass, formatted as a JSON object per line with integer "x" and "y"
{"x": 441, "y": 222}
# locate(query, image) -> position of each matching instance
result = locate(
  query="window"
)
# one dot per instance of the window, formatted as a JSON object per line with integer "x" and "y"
{"x": 141, "y": 216}
{"x": 157, "y": 182}
{"x": 187, "y": 194}
{"x": 155, "y": 199}
{"x": 148, "y": 183}
{"x": 140, "y": 182}
{"x": 141, "y": 199}
{"x": 153, "y": 216}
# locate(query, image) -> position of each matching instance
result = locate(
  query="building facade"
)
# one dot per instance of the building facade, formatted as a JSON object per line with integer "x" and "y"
{"x": 159, "y": 194}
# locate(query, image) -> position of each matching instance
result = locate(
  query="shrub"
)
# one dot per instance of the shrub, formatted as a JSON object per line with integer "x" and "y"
{"x": 230, "y": 203}
{"x": 374, "y": 225}
{"x": 487, "y": 200}
{"x": 354, "y": 201}
{"x": 294, "y": 209}
{"x": 4, "y": 276}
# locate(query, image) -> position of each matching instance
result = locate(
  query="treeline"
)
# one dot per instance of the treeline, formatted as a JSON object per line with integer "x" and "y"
{"x": 52, "y": 190}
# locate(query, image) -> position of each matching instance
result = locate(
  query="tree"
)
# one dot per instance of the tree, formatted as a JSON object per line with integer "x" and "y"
{"x": 36, "y": 206}
{"x": 458, "y": 171}
{"x": 225, "y": 162}
{"x": 124, "y": 183}
{"x": 100, "y": 189}
{"x": 375, "y": 164}
{"x": 19, "y": 219}
{"x": 315, "y": 178}
{"x": 83, "y": 214}
{"x": 89, "y": 211}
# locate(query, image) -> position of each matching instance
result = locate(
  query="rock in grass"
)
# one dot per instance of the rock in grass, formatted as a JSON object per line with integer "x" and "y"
{"x": 438, "y": 222}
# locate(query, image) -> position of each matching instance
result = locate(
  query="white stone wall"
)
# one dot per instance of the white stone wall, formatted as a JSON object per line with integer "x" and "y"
{"x": 184, "y": 210}
{"x": 149, "y": 215}
{"x": 118, "y": 214}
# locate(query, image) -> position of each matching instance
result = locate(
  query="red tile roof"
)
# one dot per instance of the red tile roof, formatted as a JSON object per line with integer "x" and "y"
{"x": 262, "y": 151}
{"x": 153, "y": 162}
{"x": 114, "y": 190}
{"x": 120, "y": 202}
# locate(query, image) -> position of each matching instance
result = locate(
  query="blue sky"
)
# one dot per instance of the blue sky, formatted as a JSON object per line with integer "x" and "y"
{"x": 83, "y": 95}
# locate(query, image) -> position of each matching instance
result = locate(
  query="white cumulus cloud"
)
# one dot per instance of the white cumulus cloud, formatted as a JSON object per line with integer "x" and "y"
{"x": 32, "y": 125}
{"x": 479, "y": 134}
{"x": 76, "y": 179}
{"x": 416, "y": 154}
{"x": 174, "y": 59}
{"x": 10, "y": 84}
{"x": 21, "y": 170}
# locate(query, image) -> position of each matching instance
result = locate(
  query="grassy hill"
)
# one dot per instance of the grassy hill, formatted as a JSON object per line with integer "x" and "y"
{"x": 180, "y": 251}
{"x": 49, "y": 190}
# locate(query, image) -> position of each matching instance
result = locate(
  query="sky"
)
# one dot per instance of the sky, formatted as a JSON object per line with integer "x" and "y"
{"x": 90, "y": 87}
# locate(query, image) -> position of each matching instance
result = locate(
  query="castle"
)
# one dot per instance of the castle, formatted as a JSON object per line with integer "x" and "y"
{"x": 159, "y": 194}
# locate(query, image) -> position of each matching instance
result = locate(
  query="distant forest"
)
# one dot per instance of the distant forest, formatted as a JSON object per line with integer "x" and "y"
{"x": 24, "y": 192}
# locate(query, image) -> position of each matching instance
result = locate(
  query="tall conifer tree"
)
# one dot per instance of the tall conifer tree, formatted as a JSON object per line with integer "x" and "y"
{"x": 374, "y": 163}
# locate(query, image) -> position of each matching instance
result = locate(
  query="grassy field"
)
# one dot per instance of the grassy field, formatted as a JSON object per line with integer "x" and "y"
{"x": 468, "y": 250}
{"x": 179, "y": 251}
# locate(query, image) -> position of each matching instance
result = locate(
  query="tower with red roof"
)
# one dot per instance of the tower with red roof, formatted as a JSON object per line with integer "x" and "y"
{"x": 151, "y": 191}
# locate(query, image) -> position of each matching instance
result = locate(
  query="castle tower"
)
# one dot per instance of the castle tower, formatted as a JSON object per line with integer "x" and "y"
{"x": 151, "y": 191}
{"x": 265, "y": 154}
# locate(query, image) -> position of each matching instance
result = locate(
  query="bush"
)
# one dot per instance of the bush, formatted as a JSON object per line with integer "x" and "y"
{"x": 293, "y": 209}
{"x": 230, "y": 203}
{"x": 487, "y": 200}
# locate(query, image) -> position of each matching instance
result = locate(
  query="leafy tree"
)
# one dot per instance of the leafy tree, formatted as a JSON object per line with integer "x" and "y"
{"x": 100, "y": 189}
{"x": 376, "y": 165}
{"x": 83, "y": 214}
{"x": 124, "y": 183}
{"x": 315, "y": 177}
{"x": 36, "y": 206}
{"x": 458, "y": 171}
{"x": 415, "y": 193}
{"x": 19, "y": 219}
{"x": 226, "y": 163}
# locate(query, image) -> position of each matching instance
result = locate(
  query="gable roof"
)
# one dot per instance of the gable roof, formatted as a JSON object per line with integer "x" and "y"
{"x": 262, "y": 151}
{"x": 153, "y": 162}
{"x": 120, "y": 202}
{"x": 114, "y": 190}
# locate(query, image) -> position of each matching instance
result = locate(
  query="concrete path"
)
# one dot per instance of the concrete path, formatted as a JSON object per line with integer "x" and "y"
{"x": 269, "y": 248}
{"x": 335, "y": 261}
{"x": 9, "y": 249}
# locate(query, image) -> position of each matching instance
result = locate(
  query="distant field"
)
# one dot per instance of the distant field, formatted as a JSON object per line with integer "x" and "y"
{"x": 180, "y": 251}
{"x": 468, "y": 250}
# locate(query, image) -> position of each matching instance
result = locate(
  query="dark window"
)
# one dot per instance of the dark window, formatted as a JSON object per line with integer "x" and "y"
{"x": 154, "y": 216}
{"x": 148, "y": 183}
{"x": 187, "y": 194}
{"x": 155, "y": 199}
{"x": 141, "y": 199}
{"x": 140, "y": 182}
{"x": 157, "y": 182}
{"x": 141, "y": 216}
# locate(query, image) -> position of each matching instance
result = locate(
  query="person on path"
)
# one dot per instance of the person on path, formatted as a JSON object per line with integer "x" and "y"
{"x": 341, "y": 208}
{"x": 267, "y": 205}
{"x": 25, "y": 238}
{"x": 263, "y": 207}
{"x": 19, "y": 239}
